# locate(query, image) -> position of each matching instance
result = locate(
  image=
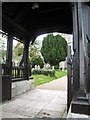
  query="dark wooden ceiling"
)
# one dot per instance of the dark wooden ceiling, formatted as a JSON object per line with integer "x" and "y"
{"x": 26, "y": 23}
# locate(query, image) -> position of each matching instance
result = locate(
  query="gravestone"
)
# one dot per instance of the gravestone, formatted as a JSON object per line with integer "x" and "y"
{"x": 62, "y": 65}
{"x": 52, "y": 67}
{"x": 47, "y": 66}
{"x": 38, "y": 67}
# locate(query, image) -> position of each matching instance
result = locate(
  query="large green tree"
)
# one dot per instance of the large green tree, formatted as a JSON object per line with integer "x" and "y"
{"x": 54, "y": 49}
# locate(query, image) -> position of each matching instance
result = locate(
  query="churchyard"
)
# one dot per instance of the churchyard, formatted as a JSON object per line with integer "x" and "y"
{"x": 48, "y": 73}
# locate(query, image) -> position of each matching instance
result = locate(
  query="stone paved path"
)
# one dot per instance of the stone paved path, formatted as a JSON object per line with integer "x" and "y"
{"x": 58, "y": 84}
{"x": 36, "y": 104}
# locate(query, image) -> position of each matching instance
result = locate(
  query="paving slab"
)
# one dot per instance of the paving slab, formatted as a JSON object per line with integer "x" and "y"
{"x": 48, "y": 114}
{"x": 58, "y": 84}
{"x": 12, "y": 115}
{"x": 37, "y": 103}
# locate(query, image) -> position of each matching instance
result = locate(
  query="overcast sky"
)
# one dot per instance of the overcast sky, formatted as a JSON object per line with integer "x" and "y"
{"x": 40, "y": 39}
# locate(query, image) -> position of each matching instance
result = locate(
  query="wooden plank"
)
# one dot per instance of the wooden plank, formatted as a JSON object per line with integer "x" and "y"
{"x": 75, "y": 61}
{"x": 9, "y": 53}
{"x": 80, "y": 106}
{"x": 6, "y": 87}
{"x": 69, "y": 76}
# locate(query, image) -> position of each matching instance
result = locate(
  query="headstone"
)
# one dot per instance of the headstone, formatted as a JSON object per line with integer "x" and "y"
{"x": 33, "y": 69}
{"x": 38, "y": 67}
{"x": 52, "y": 67}
{"x": 62, "y": 65}
{"x": 47, "y": 66}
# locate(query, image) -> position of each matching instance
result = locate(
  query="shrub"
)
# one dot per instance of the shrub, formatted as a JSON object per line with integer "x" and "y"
{"x": 37, "y": 61}
{"x": 56, "y": 66}
{"x": 44, "y": 72}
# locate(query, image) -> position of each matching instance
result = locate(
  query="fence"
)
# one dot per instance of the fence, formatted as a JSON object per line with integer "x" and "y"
{"x": 17, "y": 71}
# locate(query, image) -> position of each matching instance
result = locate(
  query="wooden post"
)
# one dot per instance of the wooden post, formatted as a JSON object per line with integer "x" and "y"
{"x": 83, "y": 15}
{"x": 69, "y": 75}
{"x": 81, "y": 100}
{"x": 76, "y": 82}
{"x": 26, "y": 60}
{"x": 9, "y": 53}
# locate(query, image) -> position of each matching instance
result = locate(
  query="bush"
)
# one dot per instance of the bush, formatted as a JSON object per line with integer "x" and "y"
{"x": 37, "y": 61}
{"x": 56, "y": 66}
{"x": 44, "y": 72}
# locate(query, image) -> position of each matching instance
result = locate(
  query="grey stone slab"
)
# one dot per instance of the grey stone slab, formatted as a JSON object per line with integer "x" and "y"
{"x": 13, "y": 105}
{"x": 36, "y": 104}
{"x": 0, "y": 108}
{"x": 0, "y": 115}
{"x": 11, "y": 115}
{"x": 18, "y": 102}
{"x": 48, "y": 114}
{"x": 38, "y": 99}
{"x": 10, "y": 108}
{"x": 27, "y": 111}
{"x": 59, "y": 101}
{"x": 55, "y": 107}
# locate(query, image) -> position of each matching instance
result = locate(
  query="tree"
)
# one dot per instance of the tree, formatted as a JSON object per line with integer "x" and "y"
{"x": 54, "y": 49}
{"x": 18, "y": 52}
{"x": 34, "y": 55}
{"x": 37, "y": 61}
{"x": 34, "y": 50}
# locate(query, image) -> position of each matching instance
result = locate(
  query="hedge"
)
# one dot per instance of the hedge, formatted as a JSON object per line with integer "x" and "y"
{"x": 44, "y": 72}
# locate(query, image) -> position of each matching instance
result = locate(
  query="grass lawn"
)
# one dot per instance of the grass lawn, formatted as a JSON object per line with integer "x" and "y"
{"x": 41, "y": 79}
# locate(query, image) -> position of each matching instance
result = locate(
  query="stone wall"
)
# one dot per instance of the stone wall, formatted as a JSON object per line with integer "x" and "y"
{"x": 21, "y": 87}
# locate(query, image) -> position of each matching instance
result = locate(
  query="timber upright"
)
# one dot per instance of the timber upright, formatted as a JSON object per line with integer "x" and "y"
{"x": 80, "y": 100}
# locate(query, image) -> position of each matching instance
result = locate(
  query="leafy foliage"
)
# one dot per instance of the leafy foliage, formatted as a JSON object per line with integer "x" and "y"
{"x": 18, "y": 49}
{"x": 54, "y": 49}
{"x": 44, "y": 72}
{"x": 17, "y": 52}
{"x": 34, "y": 50}
{"x": 37, "y": 61}
{"x": 34, "y": 55}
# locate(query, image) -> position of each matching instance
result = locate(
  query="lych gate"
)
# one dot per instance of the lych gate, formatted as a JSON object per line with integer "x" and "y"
{"x": 28, "y": 20}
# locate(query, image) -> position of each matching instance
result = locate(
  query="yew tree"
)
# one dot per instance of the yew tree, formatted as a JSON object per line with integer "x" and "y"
{"x": 54, "y": 49}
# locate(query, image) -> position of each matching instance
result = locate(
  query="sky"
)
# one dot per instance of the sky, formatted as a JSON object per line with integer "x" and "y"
{"x": 39, "y": 39}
